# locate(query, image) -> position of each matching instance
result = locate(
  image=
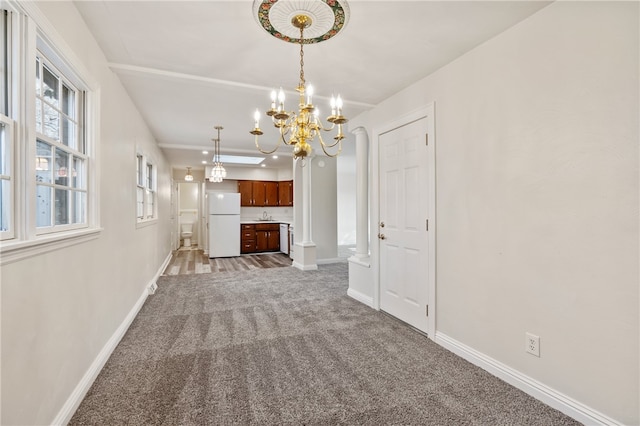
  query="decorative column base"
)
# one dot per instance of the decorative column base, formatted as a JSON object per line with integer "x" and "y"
{"x": 305, "y": 257}
{"x": 361, "y": 280}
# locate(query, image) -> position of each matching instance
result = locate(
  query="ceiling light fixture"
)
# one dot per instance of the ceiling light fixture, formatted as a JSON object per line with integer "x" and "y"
{"x": 218, "y": 173}
{"x": 328, "y": 17}
{"x": 188, "y": 177}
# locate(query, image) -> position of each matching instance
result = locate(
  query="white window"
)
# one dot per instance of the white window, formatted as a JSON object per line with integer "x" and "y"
{"x": 6, "y": 181}
{"x": 7, "y": 204}
{"x": 146, "y": 189}
{"x": 61, "y": 160}
{"x": 49, "y": 113}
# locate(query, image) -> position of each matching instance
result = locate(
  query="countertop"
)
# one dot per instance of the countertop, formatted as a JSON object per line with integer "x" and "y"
{"x": 253, "y": 221}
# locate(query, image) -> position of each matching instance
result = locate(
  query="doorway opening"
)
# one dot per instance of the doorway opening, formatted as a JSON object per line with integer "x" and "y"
{"x": 189, "y": 225}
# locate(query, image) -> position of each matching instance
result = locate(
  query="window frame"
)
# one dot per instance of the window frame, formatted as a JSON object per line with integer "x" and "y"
{"x": 61, "y": 182}
{"x": 7, "y": 155}
{"x": 146, "y": 190}
{"x": 32, "y": 32}
{"x": 7, "y": 142}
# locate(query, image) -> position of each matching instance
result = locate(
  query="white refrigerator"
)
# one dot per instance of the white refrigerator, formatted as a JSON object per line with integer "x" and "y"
{"x": 224, "y": 224}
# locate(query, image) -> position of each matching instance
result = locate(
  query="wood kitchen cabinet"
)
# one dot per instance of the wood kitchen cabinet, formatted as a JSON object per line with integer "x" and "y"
{"x": 265, "y": 193}
{"x": 285, "y": 193}
{"x": 259, "y": 193}
{"x": 267, "y": 237}
{"x": 245, "y": 188}
{"x": 247, "y": 238}
{"x": 271, "y": 194}
{"x": 259, "y": 237}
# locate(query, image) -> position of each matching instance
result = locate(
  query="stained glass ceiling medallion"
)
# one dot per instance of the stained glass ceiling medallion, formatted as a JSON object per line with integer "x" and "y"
{"x": 329, "y": 17}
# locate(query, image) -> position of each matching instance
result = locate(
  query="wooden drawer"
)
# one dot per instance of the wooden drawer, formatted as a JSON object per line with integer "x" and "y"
{"x": 245, "y": 226}
{"x": 248, "y": 246}
{"x": 248, "y": 234}
{"x": 267, "y": 226}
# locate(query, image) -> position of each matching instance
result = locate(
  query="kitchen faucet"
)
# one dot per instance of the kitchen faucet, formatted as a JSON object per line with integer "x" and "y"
{"x": 264, "y": 215}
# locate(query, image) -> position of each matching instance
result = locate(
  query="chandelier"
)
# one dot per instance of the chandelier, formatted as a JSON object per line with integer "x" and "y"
{"x": 188, "y": 177}
{"x": 218, "y": 173}
{"x": 300, "y": 128}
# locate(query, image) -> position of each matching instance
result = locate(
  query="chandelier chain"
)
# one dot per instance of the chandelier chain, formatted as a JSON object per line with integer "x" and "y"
{"x": 301, "y": 56}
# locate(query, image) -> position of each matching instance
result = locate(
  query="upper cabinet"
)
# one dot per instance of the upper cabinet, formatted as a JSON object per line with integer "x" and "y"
{"x": 285, "y": 193}
{"x": 260, "y": 193}
{"x": 246, "y": 192}
{"x": 270, "y": 194}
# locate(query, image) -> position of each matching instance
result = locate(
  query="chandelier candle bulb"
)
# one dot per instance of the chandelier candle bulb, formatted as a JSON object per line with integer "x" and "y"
{"x": 273, "y": 99}
{"x": 256, "y": 117}
{"x": 309, "y": 91}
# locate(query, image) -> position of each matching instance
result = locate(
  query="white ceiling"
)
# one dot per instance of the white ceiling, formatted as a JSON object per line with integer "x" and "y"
{"x": 191, "y": 65}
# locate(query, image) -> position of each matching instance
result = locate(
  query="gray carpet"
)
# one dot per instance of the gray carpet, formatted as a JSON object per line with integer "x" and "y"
{"x": 281, "y": 346}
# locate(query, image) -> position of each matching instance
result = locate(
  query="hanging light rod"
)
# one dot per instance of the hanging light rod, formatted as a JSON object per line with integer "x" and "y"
{"x": 218, "y": 172}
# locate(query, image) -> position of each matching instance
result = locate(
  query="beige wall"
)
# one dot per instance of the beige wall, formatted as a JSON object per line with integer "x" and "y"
{"x": 537, "y": 199}
{"x": 324, "y": 210}
{"x": 59, "y": 309}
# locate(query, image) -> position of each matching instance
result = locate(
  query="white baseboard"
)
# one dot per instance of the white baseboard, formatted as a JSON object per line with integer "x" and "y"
{"x": 331, "y": 260}
{"x": 162, "y": 268}
{"x": 540, "y": 391}
{"x": 73, "y": 402}
{"x": 304, "y": 267}
{"x": 360, "y": 297}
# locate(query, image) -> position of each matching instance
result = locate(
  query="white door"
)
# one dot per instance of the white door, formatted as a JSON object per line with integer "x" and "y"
{"x": 404, "y": 247}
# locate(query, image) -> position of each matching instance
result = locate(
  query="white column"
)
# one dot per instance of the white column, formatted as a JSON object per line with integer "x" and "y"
{"x": 306, "y": 201}
{"x": 362, "y": 193}
{"x": 305, "y": 251}
{"x": 360, "y": 272}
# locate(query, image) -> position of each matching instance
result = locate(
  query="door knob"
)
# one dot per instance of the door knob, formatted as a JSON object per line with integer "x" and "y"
{"x": 381, "y": 224}
{"x": 381, "y": 236}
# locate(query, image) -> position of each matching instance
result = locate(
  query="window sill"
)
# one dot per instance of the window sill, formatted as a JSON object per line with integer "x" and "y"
{"x": 145, "y": 223}
{"x": 13, "y": 251}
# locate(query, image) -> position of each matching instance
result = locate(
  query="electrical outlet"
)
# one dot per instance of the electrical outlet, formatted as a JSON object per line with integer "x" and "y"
{"x": 152, "y": 288}
{"x": 532, "y": 344}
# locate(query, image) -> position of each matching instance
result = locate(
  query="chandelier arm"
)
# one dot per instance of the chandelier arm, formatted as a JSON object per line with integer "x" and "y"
{"x": 288, "y": 127}
{"x": 267, "y": 152}
{"x": 284, "y": 132}
{"x": 325, "y": 129}
{"x": 324, "y": 146}
{"x": 330, "y": 145}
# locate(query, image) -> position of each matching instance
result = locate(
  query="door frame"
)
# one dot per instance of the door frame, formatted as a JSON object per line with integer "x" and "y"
{"x": 427, "y": 112}
{"x": 175, "y": 215}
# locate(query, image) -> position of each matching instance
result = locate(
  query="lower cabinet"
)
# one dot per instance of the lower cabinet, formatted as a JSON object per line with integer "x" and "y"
{"x": 247, "y": 238}
{"x": 260, "y": 237}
